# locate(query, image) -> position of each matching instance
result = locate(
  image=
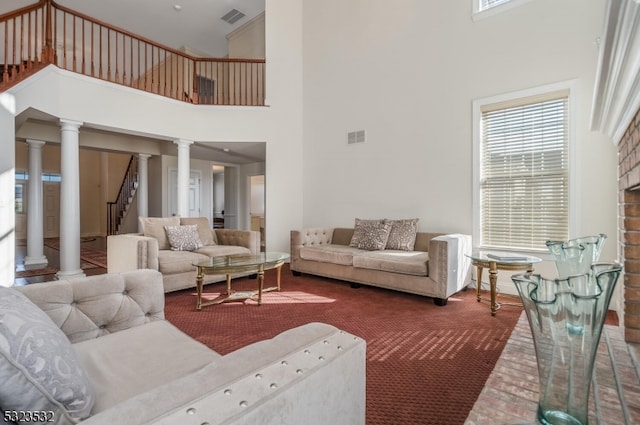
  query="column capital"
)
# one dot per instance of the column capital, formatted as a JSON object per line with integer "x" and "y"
{"x": 144, "y": 156}
{"x": 70, "y": 124}
{"x": 183, "y": 143}
{"x": 35, "y": 143}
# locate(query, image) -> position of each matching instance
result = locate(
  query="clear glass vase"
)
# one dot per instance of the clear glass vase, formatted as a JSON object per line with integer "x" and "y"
{"x": 566, "y": 316}
{"x": 575, "y": 256}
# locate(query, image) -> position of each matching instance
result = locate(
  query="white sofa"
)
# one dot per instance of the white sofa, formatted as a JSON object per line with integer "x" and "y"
{"x": 143, "y": 370}
{"x": 436, "y": 266}
{"x": 151, "y": 250}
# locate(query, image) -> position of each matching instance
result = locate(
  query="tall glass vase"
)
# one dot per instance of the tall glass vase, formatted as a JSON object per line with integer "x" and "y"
{"x": 575, "y": 256}
{"x": 566, "y": 316}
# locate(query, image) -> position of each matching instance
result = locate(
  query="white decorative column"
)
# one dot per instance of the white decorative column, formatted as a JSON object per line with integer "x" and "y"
{"x": 70, "y": 200}
{"x": 143, "y": 187}
{"x": 35, "y": 228}
{"x": 183, "y": 176}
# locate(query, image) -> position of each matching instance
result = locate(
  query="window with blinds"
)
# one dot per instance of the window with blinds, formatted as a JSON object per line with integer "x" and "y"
{"x": 488, "y": 4}
{"x": 524, "y": 173}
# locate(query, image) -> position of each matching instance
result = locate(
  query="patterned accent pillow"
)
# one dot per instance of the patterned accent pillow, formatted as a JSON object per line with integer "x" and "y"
{"x": 183, "y": 238}
{"x": 360, "y": 230}
{"x": 39, "y": 369}
{"x": 374, "y": 235}
{"x": 403, "y": 234}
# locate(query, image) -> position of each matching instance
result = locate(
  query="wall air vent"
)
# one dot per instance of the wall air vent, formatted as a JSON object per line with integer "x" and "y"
{"x": 233, "y": 16}
{"x": 355, "y": 137}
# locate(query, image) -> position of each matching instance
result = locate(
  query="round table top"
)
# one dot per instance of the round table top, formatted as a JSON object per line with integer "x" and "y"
{"x": 502, "y": 257}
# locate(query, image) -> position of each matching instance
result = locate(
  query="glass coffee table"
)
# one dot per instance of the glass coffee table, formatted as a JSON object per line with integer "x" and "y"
{"x": 495, "y": 261}
{"x": 232, "y": 264}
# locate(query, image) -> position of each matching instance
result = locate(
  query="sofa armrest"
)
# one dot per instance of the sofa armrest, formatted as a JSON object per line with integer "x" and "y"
{"x": 307, "y": 237}
{"x": 131, "y": 251}
{"x": 97, "y": 305}
{"x": 448, "y": 264}
{"x": 246, "y": 238}
{"x": 288, "y": 380}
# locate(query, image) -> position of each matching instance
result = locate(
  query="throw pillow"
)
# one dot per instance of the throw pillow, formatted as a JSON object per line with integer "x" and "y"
{"x": 205, "y": 232}
{"x": 183, "y": 238}
{"x": 375, "y": 236}
{"x": 403, "y": 234}
{"x": 360, "y": 230}
{"x": 39, "y": 369}
{"x": 154, "y": 227}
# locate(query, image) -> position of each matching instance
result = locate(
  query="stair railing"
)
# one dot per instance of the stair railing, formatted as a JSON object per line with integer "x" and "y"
{"x": 117, "y": 210}
{"x": 47, "y": 33}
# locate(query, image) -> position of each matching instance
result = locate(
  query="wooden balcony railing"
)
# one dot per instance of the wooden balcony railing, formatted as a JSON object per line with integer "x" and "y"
{"x": 47, "y": 33}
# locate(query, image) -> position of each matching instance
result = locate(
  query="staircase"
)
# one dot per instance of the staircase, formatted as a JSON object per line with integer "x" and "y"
{"x": 118, "y": 209}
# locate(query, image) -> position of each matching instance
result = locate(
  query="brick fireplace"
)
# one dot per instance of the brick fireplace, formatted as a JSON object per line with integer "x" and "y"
{"x": 629, "y": 225}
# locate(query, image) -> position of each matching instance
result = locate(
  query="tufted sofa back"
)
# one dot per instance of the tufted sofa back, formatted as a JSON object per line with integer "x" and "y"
{"x": 90, "y": 307}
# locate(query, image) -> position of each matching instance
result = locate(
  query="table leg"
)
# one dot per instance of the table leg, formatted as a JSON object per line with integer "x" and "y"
{"x": 228, "y": 284}
{"x": 493, "y": 281}
{"x": 478, "y": 281}
{"x": 199, "y": 277}
{"x": 278, "y": 273}
{"x": 260, "y": 282}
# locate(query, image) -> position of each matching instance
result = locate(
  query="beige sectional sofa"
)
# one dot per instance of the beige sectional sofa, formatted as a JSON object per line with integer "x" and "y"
{"x": 152, "y": 249}
{"x": 435, "y": 266}
{"x": 110, "y": 357}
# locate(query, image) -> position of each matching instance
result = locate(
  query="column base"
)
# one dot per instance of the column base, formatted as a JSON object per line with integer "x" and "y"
{"x": 72, "y": 274}
{"x": 35, "y": 261}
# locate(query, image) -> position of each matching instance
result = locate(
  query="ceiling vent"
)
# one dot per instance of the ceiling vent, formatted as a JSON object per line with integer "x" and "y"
{"x": 356, "y": 137}
{"x": 233, "y": 16}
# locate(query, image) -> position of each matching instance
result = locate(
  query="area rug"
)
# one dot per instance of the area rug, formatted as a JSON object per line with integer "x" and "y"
{"x": 94, "y": 256}
{"x": 425, "y": 364}
{"x": 84, "y": 265}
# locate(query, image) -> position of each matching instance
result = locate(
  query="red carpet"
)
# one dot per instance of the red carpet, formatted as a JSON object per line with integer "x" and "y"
{"x": 425, "y": 364}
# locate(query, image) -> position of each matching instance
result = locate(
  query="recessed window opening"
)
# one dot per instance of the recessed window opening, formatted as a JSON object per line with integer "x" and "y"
{"x": 524, "y": 172}
{"x": 484, "y": 8}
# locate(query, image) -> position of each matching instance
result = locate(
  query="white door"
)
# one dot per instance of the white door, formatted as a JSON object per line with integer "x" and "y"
{"x": 194, "y": 193}
{"x": 51, "y": 209}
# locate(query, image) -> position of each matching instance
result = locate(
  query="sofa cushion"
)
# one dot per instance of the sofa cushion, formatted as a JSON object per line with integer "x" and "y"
{"x": 205, "y": 231}
{"x": 39, "y": 369}
{"x": 171, "y": 262}
{"x": 336, "y": 254}
{"x": 395, "y": 261}
{"x": 184, "y": 237}
{"x": 154, "y": 227}
{"x": 126, "y": 363}
{"x": 222, "y": 250}
{"x": 403, "y": 234}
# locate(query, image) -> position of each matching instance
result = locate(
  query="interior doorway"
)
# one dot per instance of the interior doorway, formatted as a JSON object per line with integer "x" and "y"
{"x": 218, "y": 196}
{"x": 256, "y": 206}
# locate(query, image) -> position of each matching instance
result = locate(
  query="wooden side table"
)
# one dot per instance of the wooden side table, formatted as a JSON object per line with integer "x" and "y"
{"x": 495, "y": 261}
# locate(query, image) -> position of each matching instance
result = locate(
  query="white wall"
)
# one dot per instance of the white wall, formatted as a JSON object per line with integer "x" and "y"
{"x": 407, "y": 73}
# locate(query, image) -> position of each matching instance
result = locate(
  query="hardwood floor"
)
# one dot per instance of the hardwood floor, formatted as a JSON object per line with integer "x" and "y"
{"x": 53, "y": 258}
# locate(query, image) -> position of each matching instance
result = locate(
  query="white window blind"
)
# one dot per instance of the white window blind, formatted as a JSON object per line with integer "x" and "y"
{"x": 488, "y": 4}
{"x": 524, "y": 181}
